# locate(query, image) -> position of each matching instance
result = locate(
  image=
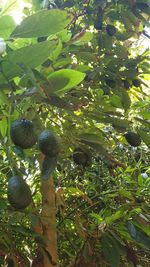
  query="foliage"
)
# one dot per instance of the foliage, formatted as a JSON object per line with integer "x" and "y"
{"x": 77, "y": 68}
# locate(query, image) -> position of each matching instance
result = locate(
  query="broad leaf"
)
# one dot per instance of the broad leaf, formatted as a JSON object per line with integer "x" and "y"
{"x": 87, "y": 56}
{"x": 3, "y": 98}
{"x": 145, "y": 136}
{"x": 31, "y": 56}
{"x": 111, "y": 250}
{"x": 56, "y": 52}
{"x": 138, "y": 235}
{"x": 7, "y": 25}
{"x": 126, "y": 101}
{"x": 62, "y": 62}
{"x": 3, "y": 127}
{"x": 95, "y": 141}
{"x": 63, "y": 80}
{"x": 115, "y": 101}
{"x": 42, "y": 23}
{"x": 85, "y": 38}
{"x": 9, "y": 6}
{"x": 73, "y": 191}
{"x": 117, "y": 122}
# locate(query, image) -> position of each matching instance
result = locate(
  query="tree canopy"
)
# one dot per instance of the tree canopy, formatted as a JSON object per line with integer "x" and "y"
{"x": 75, "y": 134}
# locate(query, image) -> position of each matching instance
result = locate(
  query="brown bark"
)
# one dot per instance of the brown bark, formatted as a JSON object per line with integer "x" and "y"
{"x": 46, "y": 226}
{"x": 48, "y": 217}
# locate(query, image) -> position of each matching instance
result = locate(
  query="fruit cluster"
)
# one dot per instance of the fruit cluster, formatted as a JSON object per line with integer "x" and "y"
{"x": 23, "y": 134}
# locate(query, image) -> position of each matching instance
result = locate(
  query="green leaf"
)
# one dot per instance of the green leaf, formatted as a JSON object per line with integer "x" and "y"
{"x": 97, "y": 138}
{"x": 86, "y": 56}
{"x": 117, "y": 215}
{"x": 126, "y": 194}
{"x": 3, "y": 127}
{"x": 42, "y": 23}
{"x": 145, "y": 136}
{"x": 7, "y": 25}
{"x": 96, "y": 141}
{"x": 145, "y": 123}
{"x": 64, "y": 36}
{"x": 65, "y": 79}
{"x": 9, "y": 6}
{"x": 31, "y": 56}
{"x": 87, "y": 37}
{"x": 62, "y": 62}
{"x": 125, "y": 99}
{"x": 48, "y": 166}
{"x": 25, "y": 231}
{"x": 115, "y": 101}
{"x": 111, "y": 250}
{"x": 73, "y": 191}
{"x": 56, "y": 52}
{"x": 138, "y": 235}
{"x": 117, "y": 122}
{"x": 83, "y": 68}
{"x": 3, "y": 99}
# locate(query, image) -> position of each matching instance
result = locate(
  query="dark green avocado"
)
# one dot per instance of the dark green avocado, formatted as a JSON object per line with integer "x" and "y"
{"x": 18, "y": 193}
{"x": 23, "y": 134}
{"x": 81, "y": 157}
{"x": 133, "y": 139}
{"x": 48, "y": 143}
{"x": 110, "y": 29}
{"x": 110, "y": 82}
{"x": 98, "y": 24}
{"x": 126, "y": 84}
{"x": 136, "y": 82}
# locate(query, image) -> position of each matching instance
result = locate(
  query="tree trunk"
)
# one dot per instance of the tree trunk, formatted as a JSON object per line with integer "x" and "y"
{"x": 48, "y": 216}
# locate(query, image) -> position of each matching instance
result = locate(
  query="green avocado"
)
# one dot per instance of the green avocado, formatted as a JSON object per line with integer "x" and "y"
{"x": 126, "y": 84}
{"x": 23, "y": 134}
{"x": 110, "y": 29}
{"x": 110, "y": 83}
{"x": 133, "y": 139}
{"x": 48, "y": 143}
{"x": 98, "y": 24}
{"x": 136, "y": 82}
{"x": 81, "y": 157}
{"x": 18, "y": 193}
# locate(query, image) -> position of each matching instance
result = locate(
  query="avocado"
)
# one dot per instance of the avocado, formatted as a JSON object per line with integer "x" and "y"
{"x": 126, "y": 84}
{"x": 18, "y": 193}
{"x": 81, "y": 157}
{"x": 136, "y": 82}
{"x": 110, "y": 82}
{"x": 48, "y": 143}
{"x": 110, "y": 29}
{"x": 23, "y": 134}
{"x": 133, "y": 139}
{"x": 98, "y": 24}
